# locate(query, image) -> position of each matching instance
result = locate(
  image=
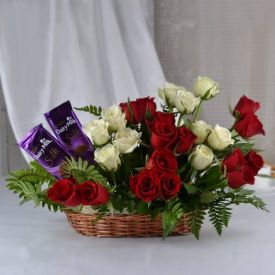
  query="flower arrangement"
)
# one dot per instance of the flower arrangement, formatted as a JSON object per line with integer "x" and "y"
{"x": 133, "y": 159}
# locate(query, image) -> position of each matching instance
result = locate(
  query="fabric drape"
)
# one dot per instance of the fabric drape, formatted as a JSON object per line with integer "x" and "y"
{"x": 90, "y": 52}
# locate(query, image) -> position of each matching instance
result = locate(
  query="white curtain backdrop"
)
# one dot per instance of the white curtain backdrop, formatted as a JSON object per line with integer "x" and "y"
{"x": 90, "y": 52}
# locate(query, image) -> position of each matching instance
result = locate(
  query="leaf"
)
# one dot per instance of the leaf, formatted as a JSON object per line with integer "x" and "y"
{"x": 190, "y": 188}
{"x": 197, "y": 222}
{"x": 82, "y": 171}
{"x": 28, "y": 183}
{"x": 215, "y": 215}
{"x": 142, "y": 207}
{"x": 94, "y": 110}
{"x": 208, "y": 197}
{"x": 245, "y": 147}
{"x": 226, "y": 214}
{"x": 212, "y": 179}
{"x": 171, "y": 215}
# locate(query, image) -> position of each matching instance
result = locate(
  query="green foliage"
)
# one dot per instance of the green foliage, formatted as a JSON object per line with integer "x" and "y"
{"x": 94, "y": 110}
{"x": 190, "y": 188}
{"x": 142, "y": 207}
{"x": 35, "y": 174}
{"x": 245, "y": 147}
{"x": 82, "y": 171}
{"x": 196, "y": 221}
{"x": 208, "y": 197}
{"x": 28, "y": 184}
{"x": 247, "y": 196}
{"x": 171, "y": 215}
{"x": 213, "y": 179}
{"x": 219, "y": 214}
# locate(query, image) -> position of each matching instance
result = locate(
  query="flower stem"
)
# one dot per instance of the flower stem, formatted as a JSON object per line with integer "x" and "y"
{"x": 197, "y": 112}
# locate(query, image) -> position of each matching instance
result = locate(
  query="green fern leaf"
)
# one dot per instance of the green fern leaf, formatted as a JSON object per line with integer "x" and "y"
{"x": 216, "y": 216}
{"x": 94, "y": 110}
{"x": 28, "y": 183}
{"x": 226, "y": 214}
{"x": 196, "y": 221}
{"x": 82, "y": 171}
{"x": 171, "y": 215}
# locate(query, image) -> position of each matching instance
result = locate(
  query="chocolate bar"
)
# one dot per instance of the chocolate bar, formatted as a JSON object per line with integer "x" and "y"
{"x": 68, "y": 131}
{"x": 45, "y": 149}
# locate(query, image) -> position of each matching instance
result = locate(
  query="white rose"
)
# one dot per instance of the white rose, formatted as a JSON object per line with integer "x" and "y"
{"x": 115, "y": 117}
{"x": 168, "y": 92}
{"x": 201, "y": 157}
{"x": 220, "y": 138}
{"x": 203, "y": 84}
{"x": 108, "y": 157}
{"x": 186, "y": 101}
{"x": 201, "y": 129}
{"x": 127, "y": 140}
{"x": 97, "y": 131}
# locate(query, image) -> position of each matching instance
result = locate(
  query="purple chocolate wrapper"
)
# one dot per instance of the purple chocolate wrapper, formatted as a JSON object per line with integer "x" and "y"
{"x": 68, "y": 131}
{"x": 45, "y": 149}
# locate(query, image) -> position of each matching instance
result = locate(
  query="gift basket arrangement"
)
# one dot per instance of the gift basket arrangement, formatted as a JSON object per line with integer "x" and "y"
{"x": 136, "y": 171}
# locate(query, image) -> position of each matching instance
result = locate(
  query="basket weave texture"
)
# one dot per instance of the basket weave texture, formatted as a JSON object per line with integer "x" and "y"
{"x": 124, "y": 225}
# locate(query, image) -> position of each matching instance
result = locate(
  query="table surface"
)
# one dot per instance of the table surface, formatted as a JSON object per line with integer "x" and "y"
{"x": 35, "y": 241}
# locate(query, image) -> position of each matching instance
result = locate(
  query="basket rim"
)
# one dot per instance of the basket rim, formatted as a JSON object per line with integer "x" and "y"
{"x": 120, "y": 215}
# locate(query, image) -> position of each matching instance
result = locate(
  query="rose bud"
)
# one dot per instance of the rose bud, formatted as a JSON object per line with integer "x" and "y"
{"x": 108, "y": 157}
{"x": 97, "y": 131}
{"x": 170, "y": 185}
{"x": 163, "y": 135}
{"x": 254, "y": 161}
{"x": 249, "y": 126}
{"x": 234, "y": 167}
{"x": 201, "y": 157}
{"x": 201, "y": 129}
{"x": 92, "y": 193}
{"x": 136, "y": 110}
{"x": 186, "y": 140}
{"x": 236, "y": 178}
{"x": 203, "y": 85}
{"x": 220, "y": 138}
{"x": 115, "y": 117}
{"x": 245, "y": 106}
{"x": 64, "y": 193}
{"x": 248, "y": 174}
{"x": 146, "y": 185}
{"x": 163, "y": 160}
{"x": 168, "y": 93}
{"x": 127, "y": 140}
{"x": 185, "y": 101}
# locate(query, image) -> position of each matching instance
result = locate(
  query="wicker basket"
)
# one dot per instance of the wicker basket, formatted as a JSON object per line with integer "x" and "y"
{"x": 123, "y": 225}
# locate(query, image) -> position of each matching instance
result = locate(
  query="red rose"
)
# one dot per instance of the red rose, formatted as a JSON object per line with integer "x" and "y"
{"x": 254, "y": 161}
{"x": 92, "y": 193}
{"x": 168, "y": 118}
{"x": 241, "y": 170}
{"x": 136, "y": 110}
{"x": 163, "y": 160}
{"x": 186, "y": 139}
{"x": 234, "y": 161}
{"x": 246, "y": 106}
{"x": 163, "y": 135}
{"x": 236, "y": 179}
{"x": 249, "y": 174}
{"x": 64, "y": 192}
{"x": 170, "y": 185}
{"x": 249, "y": 126}
{"x": 145, "y": 185}
{"x": 234, "y": 165}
